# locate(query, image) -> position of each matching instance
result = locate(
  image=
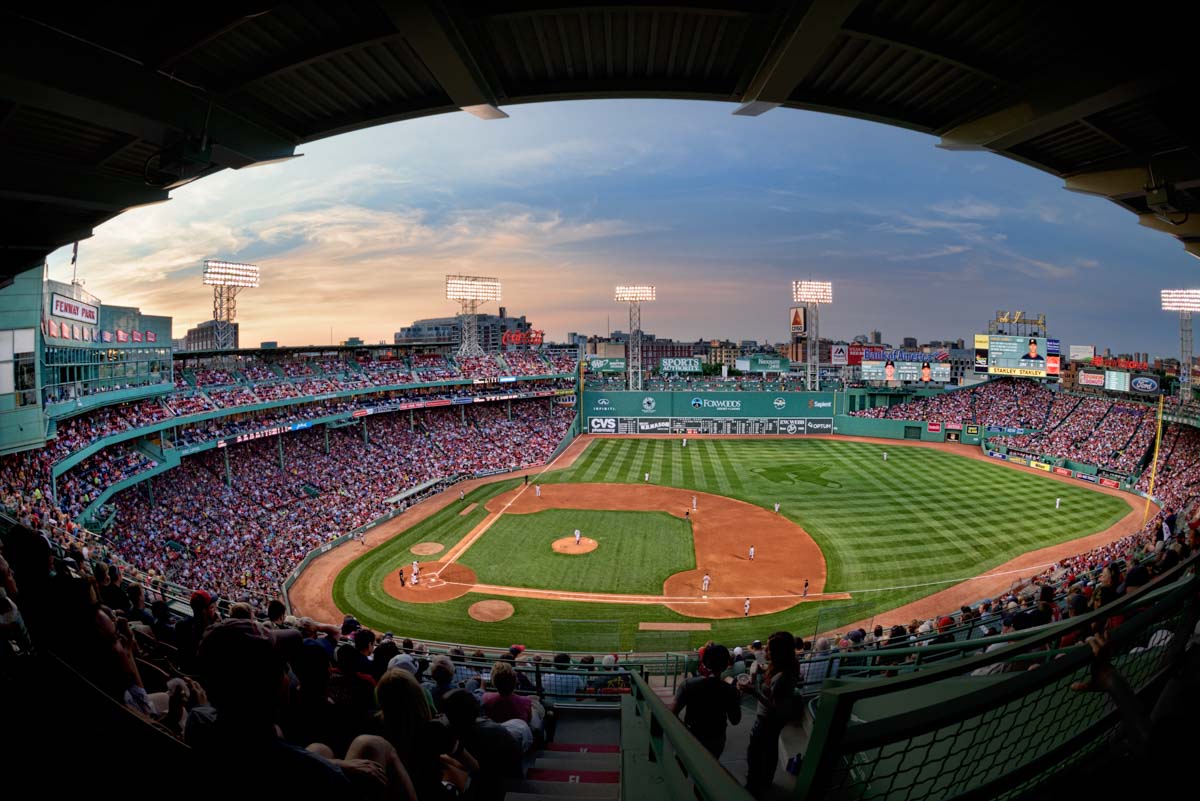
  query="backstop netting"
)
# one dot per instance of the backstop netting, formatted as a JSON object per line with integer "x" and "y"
{"x": 837, "y": 618}
{"x": 654, "y": 642}
{"x": 597, "y": 636}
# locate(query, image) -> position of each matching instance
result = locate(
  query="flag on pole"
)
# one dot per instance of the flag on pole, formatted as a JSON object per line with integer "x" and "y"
{"x": 74, "y": 254}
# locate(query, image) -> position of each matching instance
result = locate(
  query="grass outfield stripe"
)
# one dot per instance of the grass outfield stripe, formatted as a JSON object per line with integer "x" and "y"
{"x": 925, "y": 516}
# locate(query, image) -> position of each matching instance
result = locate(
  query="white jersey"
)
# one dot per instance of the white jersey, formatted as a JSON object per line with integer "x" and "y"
{"x": 647, "y": 476}
{"x": 1057, "y": 502}
{"x": 416, "y": 566}
{"x": 704, "y": 584}
{"x": 693, "y": 503}
{"x": 746, "y": 606}
{"x": 751, "y": 553}
{"x": 577, "y": 535}
{"x": 777, "y": 508}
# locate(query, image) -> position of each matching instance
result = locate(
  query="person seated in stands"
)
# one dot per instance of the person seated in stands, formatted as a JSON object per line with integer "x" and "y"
{"x": 709, "y": 701}
{"x": 558, "y": 683}
{"x": 426, "y": 746}
{"x": 504, "y": 704}
{"x": 441, "y": 679}
{"x": 495, "y": 747}
{"x": 611, "y": 678}
{"x": 243, "y": 667}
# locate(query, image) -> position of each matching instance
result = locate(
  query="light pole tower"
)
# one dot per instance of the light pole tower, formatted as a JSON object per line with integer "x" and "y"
{"x": 635, "y": 296}
{"x": 812, "y": 294}
{"x": 1184, "y": 301}
{"x": 471, "y": 291}
{"x": 227, "y": 278}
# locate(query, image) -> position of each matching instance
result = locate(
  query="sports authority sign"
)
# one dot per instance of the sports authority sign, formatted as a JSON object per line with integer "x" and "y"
{"x": 71, "y": 309}
{"x": 688, "y": 364}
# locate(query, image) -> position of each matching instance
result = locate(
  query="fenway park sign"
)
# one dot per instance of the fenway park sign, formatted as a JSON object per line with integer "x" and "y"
{"x": 523, "y": 337}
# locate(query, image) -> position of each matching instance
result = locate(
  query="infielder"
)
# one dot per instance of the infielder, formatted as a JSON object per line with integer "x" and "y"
{"x": 805, "y": 595}
{"x": 746, "y": 607}
{"x": 577, "y": 538}
{"x": 751, "y": 553}
{"x": 693, "y": 503}
{"x": 705, "y": 582}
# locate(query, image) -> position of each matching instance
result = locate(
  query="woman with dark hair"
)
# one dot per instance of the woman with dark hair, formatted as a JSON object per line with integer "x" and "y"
{"x": 775, "y": 703}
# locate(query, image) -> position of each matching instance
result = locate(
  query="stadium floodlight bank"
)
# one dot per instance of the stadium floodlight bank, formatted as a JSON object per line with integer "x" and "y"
{"x": 1184, "y": 301}
{"x": 472, "y": 287}
{"x": 227, "y": 278}
{"x": 635, "y": 296}
{"x": 470, "y": 291}
{"x": 812, "y": 294}
{"x": 230, "y": 273}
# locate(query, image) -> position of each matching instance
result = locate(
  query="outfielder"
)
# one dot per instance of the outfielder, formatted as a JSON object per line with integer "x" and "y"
{"x": 885, "y": 456}
{"x": 647, "y": 476}
{"x": 685, "y": 442}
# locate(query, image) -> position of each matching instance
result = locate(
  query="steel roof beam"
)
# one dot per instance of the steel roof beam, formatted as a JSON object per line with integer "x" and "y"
{"x": 803, "y": 37}
{"x": 34, "y": 182}
{"x": 445, "y": 55}
{"x": 1053, "y": 102}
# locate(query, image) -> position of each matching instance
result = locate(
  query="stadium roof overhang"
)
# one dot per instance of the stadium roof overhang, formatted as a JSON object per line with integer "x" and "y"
{"x": 106, "y": 107}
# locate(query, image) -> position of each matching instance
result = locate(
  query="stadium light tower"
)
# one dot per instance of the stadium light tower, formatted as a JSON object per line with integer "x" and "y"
{"x": 471, "y": 291}
{"x": 1184, "y": 301}
{"x": 635, "y": 296}
{"x": 227, "y": 278}
{"x": 812, "y": 294}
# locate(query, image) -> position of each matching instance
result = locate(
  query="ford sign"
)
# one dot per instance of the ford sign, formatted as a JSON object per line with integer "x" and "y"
{"x": 1144, "y": 383}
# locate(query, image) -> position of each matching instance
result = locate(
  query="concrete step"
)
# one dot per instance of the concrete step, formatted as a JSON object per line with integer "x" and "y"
{"x": 598, "y": 792}
{"x": 556, "y": 759}
{"x": 585, "y": 748}
{"x": 570, "y": 795}
{"x": 573, "y": 775}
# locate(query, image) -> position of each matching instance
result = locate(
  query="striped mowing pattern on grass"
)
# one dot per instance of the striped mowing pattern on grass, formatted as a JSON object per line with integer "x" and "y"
{"x": 923, "y": 516}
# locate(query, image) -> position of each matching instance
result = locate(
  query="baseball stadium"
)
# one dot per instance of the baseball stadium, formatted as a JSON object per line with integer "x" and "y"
{"x": 451, "y": 567}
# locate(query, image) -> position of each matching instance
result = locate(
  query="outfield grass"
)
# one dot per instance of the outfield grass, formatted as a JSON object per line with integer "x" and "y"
{"x": 637, "y": 551}
{"x": 923, "y": 517}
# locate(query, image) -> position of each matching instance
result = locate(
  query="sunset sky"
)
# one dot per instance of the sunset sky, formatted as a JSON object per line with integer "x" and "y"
{"x": 564, "y": 200}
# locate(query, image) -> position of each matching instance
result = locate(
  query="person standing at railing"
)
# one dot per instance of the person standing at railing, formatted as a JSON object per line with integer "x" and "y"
{"x": 775, "y": 706}
{"x": 709, "y": 702}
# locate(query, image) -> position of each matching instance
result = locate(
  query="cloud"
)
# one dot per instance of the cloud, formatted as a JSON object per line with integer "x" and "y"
{"x": 967, "y": 209}
{"x": 945, "y": 250}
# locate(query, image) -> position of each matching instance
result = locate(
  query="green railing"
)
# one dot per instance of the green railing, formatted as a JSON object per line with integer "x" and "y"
{"x": 660, "y": 759}
{"x": 997, "y": 724}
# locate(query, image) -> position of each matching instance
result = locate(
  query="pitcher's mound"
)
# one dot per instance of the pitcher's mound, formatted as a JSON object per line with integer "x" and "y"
{"x": 567, "y": 545}
{"x": 491, "y": 611}
{"x": 427, "y": 548}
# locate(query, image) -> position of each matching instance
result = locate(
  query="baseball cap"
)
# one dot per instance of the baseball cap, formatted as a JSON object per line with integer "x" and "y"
{"x": 200, "y": 599}
{"x": 737, "y": 651}
{"x": 350, "y": 624}
{"x": 945, "y": 623}
{"x": 756, "y": 644}
{"x": 856, "y": 636}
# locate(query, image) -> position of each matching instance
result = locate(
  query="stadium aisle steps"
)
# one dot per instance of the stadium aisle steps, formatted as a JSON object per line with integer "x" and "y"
{"x": 584, "y": 748}
{"x": 571, "y": 770}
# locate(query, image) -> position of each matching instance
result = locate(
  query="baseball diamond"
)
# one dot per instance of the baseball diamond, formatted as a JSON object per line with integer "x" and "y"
{"x": 869, "y": 535}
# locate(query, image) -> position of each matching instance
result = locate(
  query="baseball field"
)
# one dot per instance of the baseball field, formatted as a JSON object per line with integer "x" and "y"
{"x": 870, "y": 535}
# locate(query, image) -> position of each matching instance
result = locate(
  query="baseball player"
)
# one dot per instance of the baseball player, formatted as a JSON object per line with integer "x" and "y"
{"x": 885, "y": 456}
{"x": 685, "y": 442}
{"x": 537, "y": 490}
{"x": 805, "y": 595}
{"x": 416, "y": 566}
{"x": 687, "y": 514}
{"x": 416, "y": 578}
{"x": 746, "y": 607}
{"x": 1057, "y": 502}
{"x": 705, "y": 582}
{"x": 693, "y": 503}
{"x": 577, "y": 536}
{"x": 461, "y": 496}
{"x": 751, "y": 553}
{"x": 401, "y": 577}
{"x": 647, "y": 476}
{"x": 776, "y": 507}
